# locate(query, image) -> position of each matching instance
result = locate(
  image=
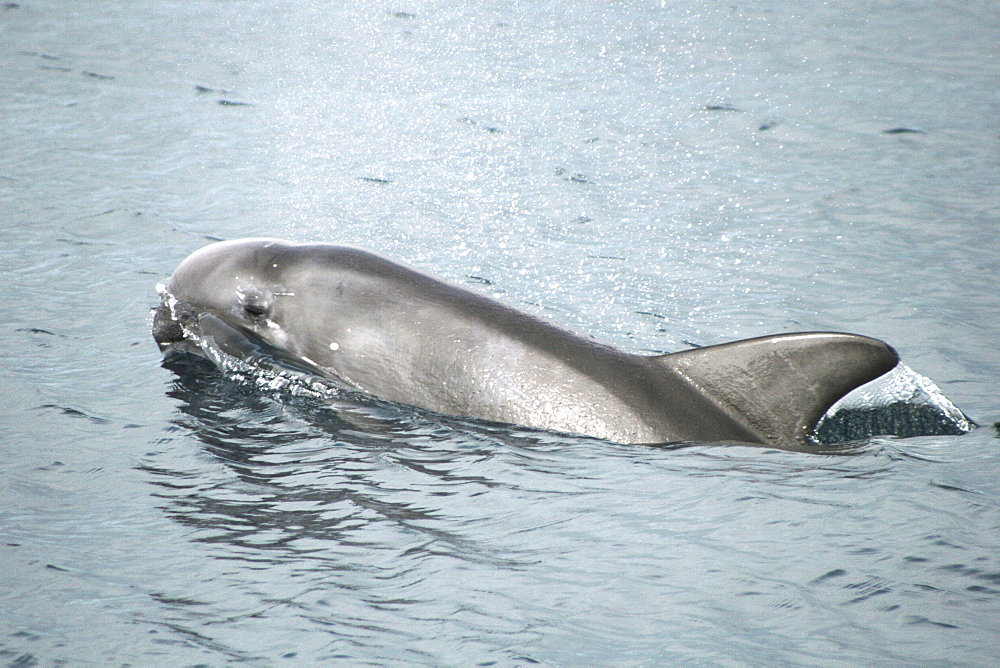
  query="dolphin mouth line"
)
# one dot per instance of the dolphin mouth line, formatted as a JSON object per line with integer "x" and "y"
{"x": 181, "y": 328}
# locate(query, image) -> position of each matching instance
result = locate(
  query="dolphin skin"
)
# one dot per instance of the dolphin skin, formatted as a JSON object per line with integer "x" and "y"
{"x": 371, "y": 324}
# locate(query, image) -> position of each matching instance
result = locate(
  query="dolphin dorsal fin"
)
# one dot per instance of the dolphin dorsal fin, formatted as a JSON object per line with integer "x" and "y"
{"x": 779, "y": 387}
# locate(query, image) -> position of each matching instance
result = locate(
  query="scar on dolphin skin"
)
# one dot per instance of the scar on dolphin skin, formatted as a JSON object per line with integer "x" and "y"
{"x": 376, "y": 325}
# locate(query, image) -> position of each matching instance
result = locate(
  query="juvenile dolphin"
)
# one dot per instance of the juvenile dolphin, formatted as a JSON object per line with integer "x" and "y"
{"x": 375, "y": 325}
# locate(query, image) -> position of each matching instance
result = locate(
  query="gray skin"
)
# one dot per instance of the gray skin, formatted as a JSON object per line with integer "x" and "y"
{"x": 375, "y": 325}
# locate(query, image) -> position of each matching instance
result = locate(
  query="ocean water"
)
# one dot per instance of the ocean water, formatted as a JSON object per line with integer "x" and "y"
{"x": 658, "y": 175}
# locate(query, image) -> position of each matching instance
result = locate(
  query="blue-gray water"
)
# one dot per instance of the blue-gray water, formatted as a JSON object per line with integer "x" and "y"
{"x": 654, "y": 174}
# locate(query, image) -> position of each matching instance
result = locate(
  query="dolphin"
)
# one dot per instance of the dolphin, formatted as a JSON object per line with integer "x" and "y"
{"x": 371, "y": 324}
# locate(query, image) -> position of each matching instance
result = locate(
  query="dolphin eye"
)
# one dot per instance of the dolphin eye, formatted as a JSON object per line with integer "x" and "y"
{"x": 254, "y": 306}
{"x": 254, "y": 309}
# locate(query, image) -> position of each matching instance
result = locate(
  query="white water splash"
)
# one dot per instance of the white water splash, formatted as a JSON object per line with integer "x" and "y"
{"x": 902, "y": 385}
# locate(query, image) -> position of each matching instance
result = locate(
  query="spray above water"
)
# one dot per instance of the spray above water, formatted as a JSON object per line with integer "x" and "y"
{"x": 901, "y": 403}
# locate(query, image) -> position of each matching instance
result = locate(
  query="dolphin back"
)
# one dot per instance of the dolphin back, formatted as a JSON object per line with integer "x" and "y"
{"x": 779, "y": 387}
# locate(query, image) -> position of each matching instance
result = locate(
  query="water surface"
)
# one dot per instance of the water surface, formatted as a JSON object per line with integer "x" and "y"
{"x": 656, "y": 175}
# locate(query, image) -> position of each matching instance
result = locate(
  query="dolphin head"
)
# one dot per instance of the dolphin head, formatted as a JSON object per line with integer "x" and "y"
{"x": 249, "y": 284}
{"x": 324, "y": 304}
